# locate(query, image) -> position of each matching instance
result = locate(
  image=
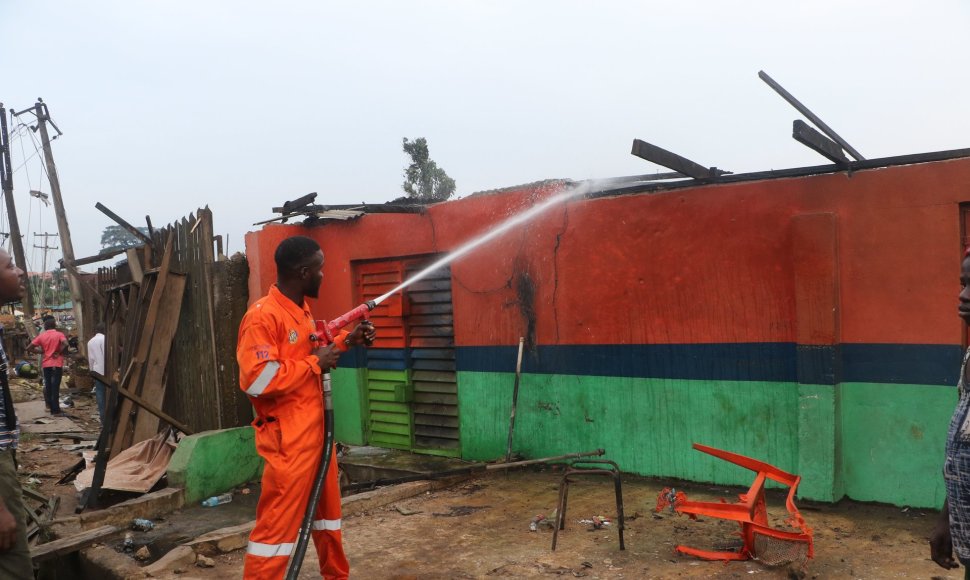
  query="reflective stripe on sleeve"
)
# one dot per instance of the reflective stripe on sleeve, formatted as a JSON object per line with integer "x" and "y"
{"x": 269, "y": 550}
{"x": 263, "y": 380}
{"x": 331, "y": 525}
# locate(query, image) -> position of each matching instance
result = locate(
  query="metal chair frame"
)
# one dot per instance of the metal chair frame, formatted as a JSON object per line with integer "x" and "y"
{"x": 577, "y": 468}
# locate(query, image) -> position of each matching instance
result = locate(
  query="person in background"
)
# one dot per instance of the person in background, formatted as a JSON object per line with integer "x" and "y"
{"x": 52, "y": 344}
{"x": 96, "y": 364}
{"x": 15, "y": 562}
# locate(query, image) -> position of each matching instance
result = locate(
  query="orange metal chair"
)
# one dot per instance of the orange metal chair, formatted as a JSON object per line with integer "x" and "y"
{"x": 761, "y": 542}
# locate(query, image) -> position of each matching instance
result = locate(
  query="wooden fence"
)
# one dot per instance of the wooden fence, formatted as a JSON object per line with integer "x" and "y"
{"x": 171, "y": 314}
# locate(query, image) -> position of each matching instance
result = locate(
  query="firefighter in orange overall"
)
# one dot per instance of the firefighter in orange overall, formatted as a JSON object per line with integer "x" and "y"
{"x": 280, "y": 369}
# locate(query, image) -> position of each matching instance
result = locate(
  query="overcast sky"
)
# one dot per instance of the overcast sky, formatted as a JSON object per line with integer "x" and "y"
{"x": 170, "y": 105}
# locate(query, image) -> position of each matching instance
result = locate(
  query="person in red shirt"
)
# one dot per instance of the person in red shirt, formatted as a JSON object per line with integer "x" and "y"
{"x": 53, "y": 344}
{"x": 280, "y": 367}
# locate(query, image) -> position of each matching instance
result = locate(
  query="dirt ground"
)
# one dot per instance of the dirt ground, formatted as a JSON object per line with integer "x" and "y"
{"x": 480, "y": 529}
{"x": 44, "y": 457}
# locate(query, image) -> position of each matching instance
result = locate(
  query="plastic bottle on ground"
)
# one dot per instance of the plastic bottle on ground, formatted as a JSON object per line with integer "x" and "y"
{"x": 217, "y": 500}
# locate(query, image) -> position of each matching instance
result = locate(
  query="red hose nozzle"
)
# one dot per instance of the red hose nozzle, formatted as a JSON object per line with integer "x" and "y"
{"x": 326, "y": 331}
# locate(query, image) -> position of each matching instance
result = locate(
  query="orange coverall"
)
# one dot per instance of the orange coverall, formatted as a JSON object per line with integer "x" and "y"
{"x": 282, "y": 378}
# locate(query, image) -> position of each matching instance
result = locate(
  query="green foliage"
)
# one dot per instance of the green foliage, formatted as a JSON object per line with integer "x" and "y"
{"x": 50, "y": 291}
{"x": 423, "y": 179}
{"x": 115, "y": 235}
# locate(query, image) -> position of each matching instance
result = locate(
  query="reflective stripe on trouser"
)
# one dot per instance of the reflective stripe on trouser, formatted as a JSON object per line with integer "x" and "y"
{"x": 283, "y": 499}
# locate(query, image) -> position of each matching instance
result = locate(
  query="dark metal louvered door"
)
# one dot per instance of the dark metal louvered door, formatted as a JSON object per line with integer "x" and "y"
{"x": 430, "y": 338}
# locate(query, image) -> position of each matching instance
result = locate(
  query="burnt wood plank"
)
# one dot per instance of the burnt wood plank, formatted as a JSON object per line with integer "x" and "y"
{"x": 671, "y": 160}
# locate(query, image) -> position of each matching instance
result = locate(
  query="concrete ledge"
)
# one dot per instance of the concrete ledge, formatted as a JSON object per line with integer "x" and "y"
{"x": 222, "y": 540}
{"x": 147, "y": 506}
{"x": 104, "y": 563}
{"x": 212, "y": 462}
{"x": 370, "y": 500}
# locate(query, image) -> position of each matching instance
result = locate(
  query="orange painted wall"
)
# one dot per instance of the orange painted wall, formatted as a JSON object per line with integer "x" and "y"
{"x": 699, "y": 265}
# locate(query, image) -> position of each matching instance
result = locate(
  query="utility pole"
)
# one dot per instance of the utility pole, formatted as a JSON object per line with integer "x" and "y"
{"x": 16, "y": 241}
{"x": 43, "y": 273}
{"x": 67, "y": 248}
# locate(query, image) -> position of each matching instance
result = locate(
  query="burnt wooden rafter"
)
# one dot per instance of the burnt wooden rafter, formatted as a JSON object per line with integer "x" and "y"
{"x": 818, "y": 122}
{"x": 818, "y": 142}
{"x": 670, "y": 160}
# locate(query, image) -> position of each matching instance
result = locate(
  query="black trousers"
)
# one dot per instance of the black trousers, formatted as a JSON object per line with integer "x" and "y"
{"x": 52, "y": 388}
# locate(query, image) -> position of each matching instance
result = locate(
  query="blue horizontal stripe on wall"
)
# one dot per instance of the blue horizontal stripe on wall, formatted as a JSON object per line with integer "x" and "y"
{"x": 818, "y": 365}
{"x": 916, "y": 364}
{"x": 725, "y": 361}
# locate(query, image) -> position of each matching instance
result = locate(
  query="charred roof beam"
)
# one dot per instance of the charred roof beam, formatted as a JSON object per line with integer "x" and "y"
{"x": 671, "y": 160}
{"x": 810, "y": 116}
{"x": 819, "y": 143}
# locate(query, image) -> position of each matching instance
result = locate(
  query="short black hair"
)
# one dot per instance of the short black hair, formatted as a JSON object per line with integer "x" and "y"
{"x": 293, "y": 253}
{"x": 99, "y": 328}
{"x": 50, "y": 322}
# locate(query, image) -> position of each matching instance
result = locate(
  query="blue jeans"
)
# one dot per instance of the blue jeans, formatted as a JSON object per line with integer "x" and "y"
{"x": 99, "y": 389}
{"x": 52, "y": 388}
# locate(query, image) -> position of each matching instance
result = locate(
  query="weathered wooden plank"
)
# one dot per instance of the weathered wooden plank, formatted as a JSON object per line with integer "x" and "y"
{"x": 205, "y": 260}
{"x": 134, "y": 264}
{"x": 123, "y": 438}
{"x": 153, "y": 386}
{"x": 154, "y": 410}
{"x": 71, "y": 543}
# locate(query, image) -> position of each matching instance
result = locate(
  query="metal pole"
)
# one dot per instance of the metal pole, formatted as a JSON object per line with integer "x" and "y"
{"x": 67, "y": 248}
{"x": 16, "y": 242}
{"x": 809, "y": 115}
{"x": 43, "y": 272}
{"x": 515, "y": 399}
{"x": 471, "y": 469}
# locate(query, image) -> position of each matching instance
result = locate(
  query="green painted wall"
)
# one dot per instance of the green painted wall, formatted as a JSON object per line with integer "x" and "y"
{"x": 819, "y": 442}
{"x": 349, "y": 406}
{"x": 893, "y": 442}
{"x": 212, "y": 462}
{"x": 646, "y": 425}
{"x": 870, "y": 442}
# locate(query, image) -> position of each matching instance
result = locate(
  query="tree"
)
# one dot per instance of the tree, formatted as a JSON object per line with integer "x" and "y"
{"x": 423, "y": 179}
{"x": 114, "y": 236}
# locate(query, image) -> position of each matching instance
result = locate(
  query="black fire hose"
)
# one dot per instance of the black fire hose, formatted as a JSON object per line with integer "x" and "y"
{"x": 299, "y": 551}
